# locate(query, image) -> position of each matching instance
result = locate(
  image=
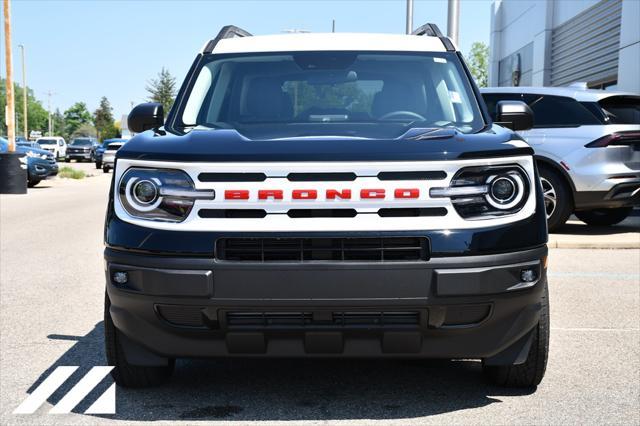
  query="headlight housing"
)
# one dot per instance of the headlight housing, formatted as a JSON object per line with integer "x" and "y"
{"x": 485, "y": 192}
{"x": 159, "y": 194}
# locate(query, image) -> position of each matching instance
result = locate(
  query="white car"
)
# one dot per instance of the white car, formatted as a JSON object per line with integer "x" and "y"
{"x": 587, "y": 147}
{"x": 109, "y": 156}
{"x": 55, "y": 144}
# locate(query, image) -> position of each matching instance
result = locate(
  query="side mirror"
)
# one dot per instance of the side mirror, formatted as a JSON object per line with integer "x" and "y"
{"x": 516, "y": 115}
{"x": 146, "y": 116}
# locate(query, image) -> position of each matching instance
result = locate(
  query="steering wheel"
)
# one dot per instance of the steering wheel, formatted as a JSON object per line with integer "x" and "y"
{"x": 399, "y": 114}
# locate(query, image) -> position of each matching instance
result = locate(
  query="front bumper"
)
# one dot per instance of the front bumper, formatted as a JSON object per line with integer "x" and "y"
{"x": 79, "y": 155}
{"x": 42, "y": 169}
{"x": 446, "y": 307}
{"x": 625, "y": 194}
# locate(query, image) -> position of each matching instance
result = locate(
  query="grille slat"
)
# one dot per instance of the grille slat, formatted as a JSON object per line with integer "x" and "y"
{"x": 388, "y": 249}
{"x": 426, "y": 175}
{"x": 311, "y": 213}
{"x": 232, "y": 177}
{"x": 321, "y": 177}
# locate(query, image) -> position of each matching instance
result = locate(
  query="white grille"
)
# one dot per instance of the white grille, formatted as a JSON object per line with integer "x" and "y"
{"x": 366, "y": 216}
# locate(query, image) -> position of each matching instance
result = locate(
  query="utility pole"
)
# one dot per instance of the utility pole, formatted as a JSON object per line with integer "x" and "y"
{"x": 11, "y": 104}
{"x": 49, "y": 95}
{"x": 25, "y": 119}
{"x": 409, "y": 24}
{"x": 453, "y": 18}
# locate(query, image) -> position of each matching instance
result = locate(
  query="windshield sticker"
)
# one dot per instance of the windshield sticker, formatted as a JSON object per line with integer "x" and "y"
{"x": 455, "y": 97}
{"x": 440, "y": 60}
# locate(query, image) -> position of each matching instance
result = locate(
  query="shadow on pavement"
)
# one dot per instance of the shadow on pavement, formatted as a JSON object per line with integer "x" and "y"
{"x": 286, "y": 389}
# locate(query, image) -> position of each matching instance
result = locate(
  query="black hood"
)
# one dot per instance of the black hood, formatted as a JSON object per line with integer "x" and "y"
{"x": 230, "y": 146}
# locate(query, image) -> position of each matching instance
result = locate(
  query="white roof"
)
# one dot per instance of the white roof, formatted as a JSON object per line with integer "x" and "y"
{"x": 329, "y": 42}
{"x": 580, "y": 95}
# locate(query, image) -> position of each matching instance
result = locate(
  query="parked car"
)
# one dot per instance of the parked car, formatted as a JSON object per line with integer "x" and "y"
{"x": 380, "y": 215}
{"x": 41, "y": 164}
{"x": 82, "y": 149}
{"x": 587, "y": 147}
{"x": 29, "y": 144}
{"x": 101, "y": 148}
{"x": 109, "y": 155}
{"x": 19, "y": 139}
{"x": 55, "y": 144}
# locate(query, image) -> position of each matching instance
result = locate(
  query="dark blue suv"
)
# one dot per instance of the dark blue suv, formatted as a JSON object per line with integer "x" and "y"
{"x": 41, "y": 164}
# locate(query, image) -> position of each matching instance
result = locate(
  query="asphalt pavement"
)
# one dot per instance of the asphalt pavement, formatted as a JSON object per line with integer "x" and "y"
{"x": 51, "y": 302}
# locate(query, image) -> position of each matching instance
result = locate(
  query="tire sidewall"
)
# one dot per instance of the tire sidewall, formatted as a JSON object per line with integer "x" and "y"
{"x": 564, "y": 199}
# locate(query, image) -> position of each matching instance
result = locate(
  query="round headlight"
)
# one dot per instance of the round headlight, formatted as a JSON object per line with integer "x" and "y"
{"x": 503, "y": 189}
{"x": 145, "y": 192}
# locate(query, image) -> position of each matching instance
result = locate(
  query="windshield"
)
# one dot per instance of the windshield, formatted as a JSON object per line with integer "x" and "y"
{"x": 372, "y": 95}
{"x": 47, "y": 141}
{"x": 621, "y": 109}
{"x": 81, "y": 142}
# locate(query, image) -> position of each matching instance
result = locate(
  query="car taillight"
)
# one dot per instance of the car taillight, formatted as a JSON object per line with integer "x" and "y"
{"x": 618, "y": 138}
{"x": 481, "y": 192}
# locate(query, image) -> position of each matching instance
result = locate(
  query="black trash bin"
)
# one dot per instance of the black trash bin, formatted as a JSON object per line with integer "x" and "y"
{"x": 13, "y": 173}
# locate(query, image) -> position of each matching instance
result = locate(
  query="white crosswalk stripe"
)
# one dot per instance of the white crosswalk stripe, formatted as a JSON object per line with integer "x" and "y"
{"x": 105, "y": 404}
{"x": 45, "y": 390}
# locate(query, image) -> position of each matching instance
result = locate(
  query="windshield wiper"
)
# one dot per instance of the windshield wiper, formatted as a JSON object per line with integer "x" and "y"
{"x": 420, "y": 134}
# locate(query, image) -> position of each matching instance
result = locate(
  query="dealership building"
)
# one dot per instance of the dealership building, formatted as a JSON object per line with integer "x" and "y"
{"x": 560, "y": 42}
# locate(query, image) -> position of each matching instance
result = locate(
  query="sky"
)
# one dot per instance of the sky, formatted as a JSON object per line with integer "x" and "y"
{"x": 84, "y": 49}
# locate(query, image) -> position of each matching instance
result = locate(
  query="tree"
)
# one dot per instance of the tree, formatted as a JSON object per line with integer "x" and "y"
{"x": 109, "y": 132}
{"x": 57, "y": 124}
{"x": 37, "y": 115}
{"x": 478, "y": 60}
{"x": 162, "y": 89}
{"x": 84, "y": 130}
{"x": 103, "y": 118}
{"x": 75, "y": 117}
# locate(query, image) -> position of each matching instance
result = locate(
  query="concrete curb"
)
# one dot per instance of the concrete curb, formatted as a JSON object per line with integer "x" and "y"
{"x": 563, "y": 244}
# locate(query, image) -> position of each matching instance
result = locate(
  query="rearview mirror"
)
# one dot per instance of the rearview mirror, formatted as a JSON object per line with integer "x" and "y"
{"x": 145, "y": 117}
{"x": 515, "y": 115}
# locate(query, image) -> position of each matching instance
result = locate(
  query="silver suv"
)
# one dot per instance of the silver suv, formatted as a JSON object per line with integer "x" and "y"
{"x": 587, "y": 146}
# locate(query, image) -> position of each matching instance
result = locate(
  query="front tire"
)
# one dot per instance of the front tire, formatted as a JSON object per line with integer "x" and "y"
{"x": 125, "y": 374}
{"x": 604, "y": 217}
{"x": 105, "y": 169}
{"x": 32, "y": 182}
{"x": 530, "y": 373}
{"x": 558, "y": 201}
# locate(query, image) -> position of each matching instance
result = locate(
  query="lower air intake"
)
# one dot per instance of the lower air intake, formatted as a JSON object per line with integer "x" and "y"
{"x": 335, "y": 320}
{"x": 388, "y": 249}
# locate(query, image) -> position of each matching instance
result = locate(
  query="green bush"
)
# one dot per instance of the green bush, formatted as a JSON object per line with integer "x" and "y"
{"x": 71, "y": 173}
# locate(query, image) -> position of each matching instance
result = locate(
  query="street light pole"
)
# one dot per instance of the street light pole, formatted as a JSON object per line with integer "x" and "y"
{"x": 409, "y": 23}
{"x": 11, "y": 105}
{"x": 453, "y": 18}
{"x": 25, "y": 119}
{"x": 49, "y": 94}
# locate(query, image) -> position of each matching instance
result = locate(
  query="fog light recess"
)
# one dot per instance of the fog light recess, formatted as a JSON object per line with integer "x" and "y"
{"x": 120, "y": 278}
{"x": 528, "y": 275}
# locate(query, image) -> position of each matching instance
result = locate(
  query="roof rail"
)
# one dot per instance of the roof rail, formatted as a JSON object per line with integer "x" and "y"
{"x": 228, "y": 31}
{"x": 432, "y": 30}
